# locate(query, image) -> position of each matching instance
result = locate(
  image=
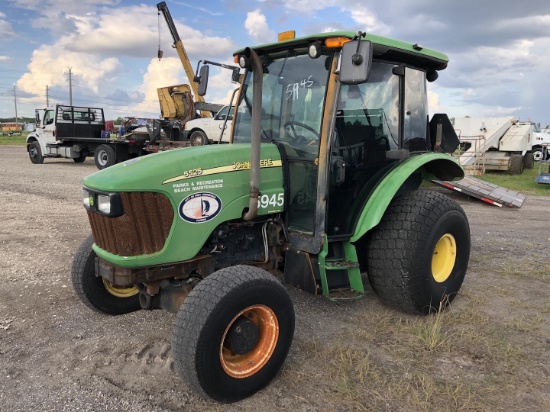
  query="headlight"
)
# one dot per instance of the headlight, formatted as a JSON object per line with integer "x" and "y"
{"x": 104, "y": 204}
{"x": 87, "y": 199}
{"x": 109, "y": 204}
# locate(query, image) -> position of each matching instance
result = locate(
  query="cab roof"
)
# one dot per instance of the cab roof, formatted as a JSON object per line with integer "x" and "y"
{"x": 383, "y": 48}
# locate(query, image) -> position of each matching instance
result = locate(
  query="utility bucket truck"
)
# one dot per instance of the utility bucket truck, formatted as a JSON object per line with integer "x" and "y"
{"x": 330, "y": 143}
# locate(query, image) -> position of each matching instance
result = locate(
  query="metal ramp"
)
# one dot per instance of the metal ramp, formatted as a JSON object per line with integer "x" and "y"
{"x": 484, "y": 191}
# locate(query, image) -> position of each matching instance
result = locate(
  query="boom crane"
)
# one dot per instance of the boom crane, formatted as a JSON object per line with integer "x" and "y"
{"x": 178, "y": 45}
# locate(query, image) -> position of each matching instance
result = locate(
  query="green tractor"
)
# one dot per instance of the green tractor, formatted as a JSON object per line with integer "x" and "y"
{"x": 330, "y": 142}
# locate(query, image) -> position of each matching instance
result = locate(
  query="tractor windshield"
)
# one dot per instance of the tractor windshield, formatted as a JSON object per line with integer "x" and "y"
{"x": 293, "y": 96}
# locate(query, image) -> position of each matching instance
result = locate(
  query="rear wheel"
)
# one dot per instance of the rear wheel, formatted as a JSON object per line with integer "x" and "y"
{"x": 35, "y": 153}
{"x": 96, "y": 292}
{"x": 198, "y": 138}
{"x": 104, "y": 156}
{"x": 528, "y": 161}
{"x": 232, "y": 333}
{"x": 516, "y": 164}
{"x": 417, "y": 256}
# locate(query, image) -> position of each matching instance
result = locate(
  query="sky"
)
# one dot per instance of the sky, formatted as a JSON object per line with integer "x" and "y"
{"x": 498, "y": 50}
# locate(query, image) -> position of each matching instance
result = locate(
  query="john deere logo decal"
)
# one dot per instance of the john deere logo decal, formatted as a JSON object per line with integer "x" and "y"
{"x": 200, "y": 207}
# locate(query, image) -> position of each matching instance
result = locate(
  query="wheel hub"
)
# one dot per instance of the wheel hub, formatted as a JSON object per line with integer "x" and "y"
{"x": 249, "y": 341}
{"x": 444, "y": 257}
{"x": 119, "y": 292}
{"x": 242, "y": 336}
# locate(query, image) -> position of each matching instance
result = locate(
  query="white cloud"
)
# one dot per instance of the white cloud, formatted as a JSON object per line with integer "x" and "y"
{"x": 163, "y": 73}
{"x": 368, "y": 20}
{"x": 256, "y": 25}
{"x": 4, "y": 58}
{"x": 48, "y": 65}
{"x": 5, "y": 27}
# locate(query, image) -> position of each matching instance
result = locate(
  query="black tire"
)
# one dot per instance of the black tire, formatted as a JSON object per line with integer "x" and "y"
{"x": 203, "y": 326}
{"x": 104, "y": 156}
{"x": 516, "y": 164}
{"x": 82, "y": 157}
{"x": 401, "y": 252}
{"x": 198, "y": 138}
{"x": 537, "y": 153}
{"x": 528, "y": 161}
{"x": 94, "y": 291}
{"x": 35, "y": 153}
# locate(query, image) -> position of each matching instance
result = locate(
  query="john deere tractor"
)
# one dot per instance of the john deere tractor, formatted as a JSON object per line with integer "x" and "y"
{"x": 330, "y": 142}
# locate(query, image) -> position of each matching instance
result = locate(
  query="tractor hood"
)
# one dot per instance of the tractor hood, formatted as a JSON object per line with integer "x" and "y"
{"x": 205, "y": 185}
{"x": 166, "y": 171}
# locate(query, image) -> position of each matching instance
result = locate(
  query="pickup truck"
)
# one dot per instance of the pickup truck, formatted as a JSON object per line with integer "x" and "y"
{"x": 207, "y": 130}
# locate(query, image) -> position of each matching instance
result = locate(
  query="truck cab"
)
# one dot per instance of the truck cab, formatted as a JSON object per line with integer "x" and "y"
{"x": 205, "y": 130}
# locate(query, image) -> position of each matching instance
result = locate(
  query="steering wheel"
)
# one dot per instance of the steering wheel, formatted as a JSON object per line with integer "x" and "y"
{"x": 291, "y": 123}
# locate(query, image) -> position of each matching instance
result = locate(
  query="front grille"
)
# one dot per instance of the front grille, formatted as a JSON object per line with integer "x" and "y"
{"x": 141, "y": 230}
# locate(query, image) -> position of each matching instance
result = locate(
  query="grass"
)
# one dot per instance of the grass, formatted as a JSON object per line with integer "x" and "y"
{"x": 14, "y": 140}
{"x": 523, "y": 183}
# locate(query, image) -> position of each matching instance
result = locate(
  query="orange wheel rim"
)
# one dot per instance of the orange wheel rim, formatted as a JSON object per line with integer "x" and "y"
{"x": 245, "y": 365}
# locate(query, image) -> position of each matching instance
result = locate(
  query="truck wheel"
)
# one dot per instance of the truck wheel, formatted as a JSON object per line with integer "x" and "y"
{"x": 528, "y": 161}
{"x": 104, "y": 156}
{"x": 537, "y": 154}
{"x": 96, "y": 292}
{"x": 82, "y": 157}
{"x": 35, "y": 153}
{"x": 232, "y": 333}
{"x": 198, "y": 138}
{"x": 516, "y": 164}
{"x": 417, "y": 256}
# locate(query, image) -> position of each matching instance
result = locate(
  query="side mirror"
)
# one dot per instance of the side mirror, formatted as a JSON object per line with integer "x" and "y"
{"x": 355, "y": 62}
{"x": 37, "y": 118}
{"x": 203, "y": 79}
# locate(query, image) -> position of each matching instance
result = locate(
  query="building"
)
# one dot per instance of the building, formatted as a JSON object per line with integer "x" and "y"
{"x": 11, "y": 127}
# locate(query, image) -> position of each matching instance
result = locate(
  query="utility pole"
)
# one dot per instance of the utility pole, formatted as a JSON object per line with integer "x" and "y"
{"x": 47, "y": 97}
{"x": 15, "y": 102}
{"x": 70, "y": 87}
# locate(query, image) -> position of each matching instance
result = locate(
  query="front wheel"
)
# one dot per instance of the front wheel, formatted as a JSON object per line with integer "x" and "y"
{"x": 417, "y": 256}
{"x": 35, "y": 153}
{"x": 82, "y": 156}
{"x": 104, "y": 156}
{"x": 232, "y": 333}
{"x": 198, "y": 138}
{"x": 96, "y": 292}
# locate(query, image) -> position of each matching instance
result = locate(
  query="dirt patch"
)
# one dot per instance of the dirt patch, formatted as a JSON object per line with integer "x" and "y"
{"x": 488, "y": 352}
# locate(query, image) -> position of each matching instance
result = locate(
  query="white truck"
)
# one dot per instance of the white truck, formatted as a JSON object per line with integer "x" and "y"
{"x": 542, "y": 137}
{"x": 77, "y": 132}
{"x": 205, "y": 130}
{"x": 498, "y": 143}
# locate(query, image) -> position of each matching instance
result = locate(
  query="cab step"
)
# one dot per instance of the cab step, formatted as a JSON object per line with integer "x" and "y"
{"x": 339, "y": 270}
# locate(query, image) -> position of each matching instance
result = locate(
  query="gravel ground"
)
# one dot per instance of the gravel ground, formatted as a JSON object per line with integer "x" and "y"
{"x": 58, "y": 355}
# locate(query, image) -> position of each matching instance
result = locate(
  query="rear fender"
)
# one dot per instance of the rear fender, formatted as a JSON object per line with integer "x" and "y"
{"x": 431, "y": 166}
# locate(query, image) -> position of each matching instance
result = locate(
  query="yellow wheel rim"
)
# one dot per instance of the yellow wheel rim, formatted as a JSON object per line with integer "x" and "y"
{"x": 120, "y": 292}
{"x": 444, "y": 257}
{"x": 243, "y": 366}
